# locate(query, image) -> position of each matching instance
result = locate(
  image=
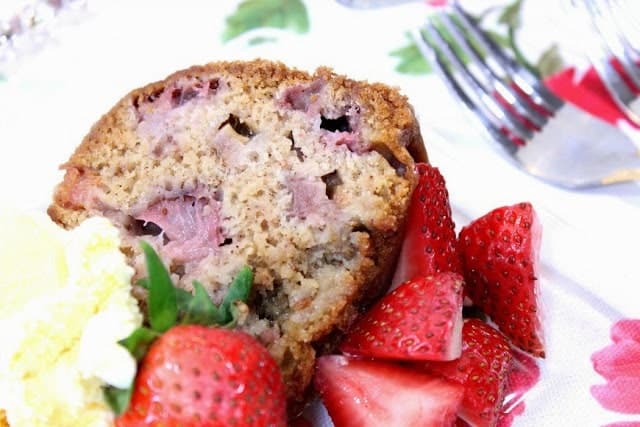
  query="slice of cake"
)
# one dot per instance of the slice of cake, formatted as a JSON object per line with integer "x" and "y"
{"x": 305, "y": 178}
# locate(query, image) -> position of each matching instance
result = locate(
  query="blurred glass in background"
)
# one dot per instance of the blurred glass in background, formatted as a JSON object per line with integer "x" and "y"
{"x": 28, "y": 25}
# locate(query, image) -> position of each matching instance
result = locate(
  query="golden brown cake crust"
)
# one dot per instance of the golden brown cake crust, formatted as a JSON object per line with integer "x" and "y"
{"x": 395, "y": 124}
{"x": 252, "y": 147}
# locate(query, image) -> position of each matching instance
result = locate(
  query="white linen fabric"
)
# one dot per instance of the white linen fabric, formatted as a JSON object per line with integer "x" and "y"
{"x": 589, "y": 259}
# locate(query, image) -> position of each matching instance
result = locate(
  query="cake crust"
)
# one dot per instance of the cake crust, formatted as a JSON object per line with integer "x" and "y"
{"x": 304, "y": 177}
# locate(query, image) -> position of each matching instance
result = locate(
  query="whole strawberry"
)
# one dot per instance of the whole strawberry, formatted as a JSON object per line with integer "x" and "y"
{"x": 429, "y": 246}
{"x": 195, "y": 369}
{"x": 499, "y": 254}
{"x": 206, "y": 376}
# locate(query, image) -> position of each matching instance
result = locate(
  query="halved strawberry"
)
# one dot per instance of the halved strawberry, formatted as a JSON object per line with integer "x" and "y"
{"x": 482, "y": 369}
{"x": 419, "y": 320}
{"x": 429, "y": 245}
{"x": 363, "y": 393}
{"x": 499, "y": 254}
{"x": 524, "y": 374}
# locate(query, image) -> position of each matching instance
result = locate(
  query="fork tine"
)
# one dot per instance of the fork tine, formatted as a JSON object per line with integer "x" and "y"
{"x": 487, "y": 118}
{"x": 521, "y": 105}
{"x": 630, "y": 20}
{"x": 623, "y": 17}
{"x": 613, "y": 81}
{"x": 616, "y": 43}
{"x": 572, "y": 150}
{"x": 631, "y": 55}
{"x": 508, "y": 119}
{"x": 610, "y": 47}
{"x": 526, "y": 81}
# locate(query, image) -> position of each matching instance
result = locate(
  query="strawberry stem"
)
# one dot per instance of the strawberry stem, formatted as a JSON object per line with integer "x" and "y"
{"x": 170, "y": 305}
{"x": 163, "y": 305}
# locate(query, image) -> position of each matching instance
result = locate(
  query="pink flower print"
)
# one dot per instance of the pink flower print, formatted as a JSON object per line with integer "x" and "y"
{"x": 619, "y": 364}
{"x": 626, "y": 329}
{"x": 624, "y": 424}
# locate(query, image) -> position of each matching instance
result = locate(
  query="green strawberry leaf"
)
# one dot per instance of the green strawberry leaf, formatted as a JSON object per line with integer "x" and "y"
{"x": 200, "y": 309}
{"x": 550, "y": 62}
{"x": 411, "y": 60}
{"x": 172, "y": 304}
{"x": 166, "y": 303}
{"x": 117, "y": 398}
{"x": 138, "y": 342}
{"x": 238, "y": 291}
{"x": 235, "y": 313}
{"x": 183, "y": 299}
{"x": 163, "y": 306}
{"x": 251, "y": 14}
{"x": 143, "y": 283}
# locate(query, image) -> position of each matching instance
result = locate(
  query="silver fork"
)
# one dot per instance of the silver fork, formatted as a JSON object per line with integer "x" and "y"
{"x": 550, "y": 139}
{"x": 613, "y": 21}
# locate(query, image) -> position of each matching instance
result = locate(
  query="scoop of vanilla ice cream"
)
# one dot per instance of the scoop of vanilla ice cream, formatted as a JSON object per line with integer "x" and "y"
{"x": 32, "y": 259}
{"x": 66, "y": 303}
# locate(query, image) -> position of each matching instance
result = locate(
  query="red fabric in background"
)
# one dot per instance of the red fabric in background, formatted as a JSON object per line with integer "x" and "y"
{"x": 589, "y": 93}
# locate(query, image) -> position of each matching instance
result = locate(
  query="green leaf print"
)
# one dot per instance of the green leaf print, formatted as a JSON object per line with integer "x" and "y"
{"x": 509, "y": 20}
{"x": 411, "y": 60}
{"x": 251, "y": 14}
{"x": 261, "y": 40}
{"x": 550, "y": 62}
{"x": 500, "y": 39}
{"x": 510, "y": 15}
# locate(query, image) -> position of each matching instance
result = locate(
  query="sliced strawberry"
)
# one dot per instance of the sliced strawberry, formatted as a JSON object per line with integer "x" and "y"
{"x": 429, "y": 245}
{"x": 419, "y": 320}
{"x": 482, "y": 369}
{"x": 500, "y": 255}
{"x": 362, "y": 393}
{"x": 202, "y": 376}
{"x": 300, "y": 422}
{"x": 524, "y": 374}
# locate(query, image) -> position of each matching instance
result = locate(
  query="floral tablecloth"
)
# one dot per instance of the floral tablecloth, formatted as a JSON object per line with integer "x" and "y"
{"x": 50, "y": 97}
